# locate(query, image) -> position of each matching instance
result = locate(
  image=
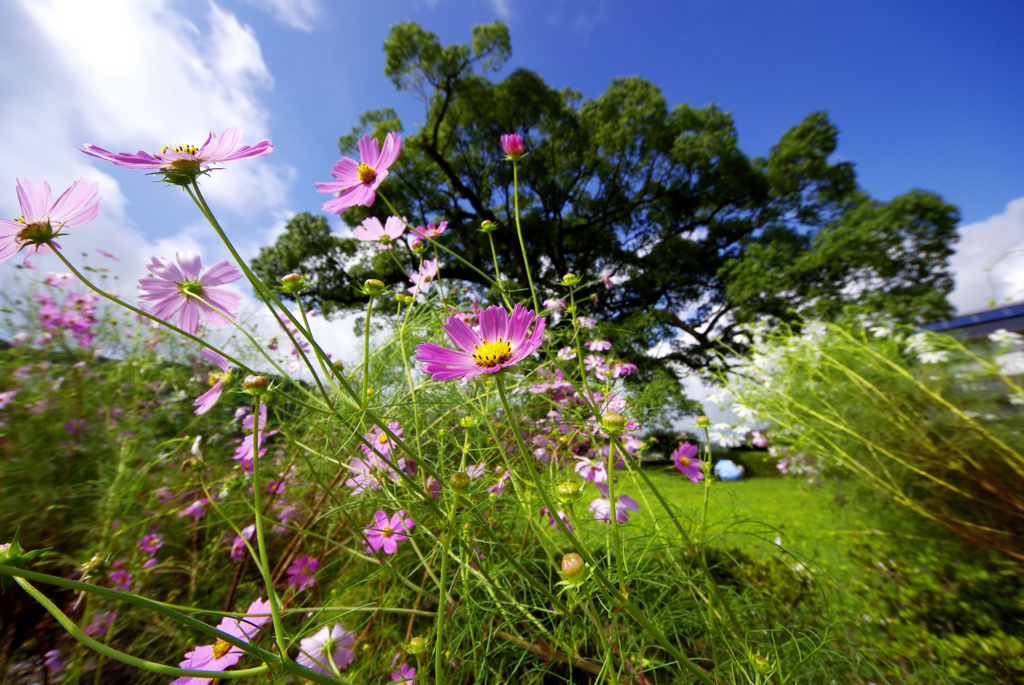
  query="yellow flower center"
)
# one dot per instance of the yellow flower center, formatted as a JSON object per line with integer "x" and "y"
{"x": 216, "y": 376}
{"x": 387, "y": 532}
{"x": 366, "y": 173}
{"x": 491, "y": 354}
{"x": 220, "y": 648}
{"x": 683, "y": 461}
{"x": 382, "y": 439}
{"x": 189, "y": 149}
{"x": 153, "y": 543}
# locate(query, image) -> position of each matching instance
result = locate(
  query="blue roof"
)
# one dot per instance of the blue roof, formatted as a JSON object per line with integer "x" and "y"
{"x": 1010, "y": 317}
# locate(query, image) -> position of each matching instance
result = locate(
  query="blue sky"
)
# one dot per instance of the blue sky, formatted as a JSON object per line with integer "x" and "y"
{"x": 925, "y": 94}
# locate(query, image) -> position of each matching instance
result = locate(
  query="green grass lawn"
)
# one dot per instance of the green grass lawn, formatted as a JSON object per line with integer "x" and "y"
{"x": 817, "y": 524}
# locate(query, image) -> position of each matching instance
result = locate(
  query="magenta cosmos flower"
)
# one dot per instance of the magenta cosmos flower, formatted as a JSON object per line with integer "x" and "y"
{"x": 602, "y": 507}
{"x": 512, "y": 144}
{"x": 385, "y": 533}
{"x": 379, "y": 440}
{"x": 403, "y": 675}
{"x": 327, "y": 651}
{"x": 424, "y": 277}
{"x": 221, "y": 655}
{"x": 371, "y": 230}
{"x": 684, "y": 457}
{"x": 182, "y": 163}
{"x": 500, "y": 342}
{"x": 205, "y": 402}
{"x": 151, "y": 542}
{"x": 179, "y": 289}
{"x": 42, "y": 219}
{"x": 357, "y": 182}
{"x": 431, "y": 231}
{"x": 300, "y": 573}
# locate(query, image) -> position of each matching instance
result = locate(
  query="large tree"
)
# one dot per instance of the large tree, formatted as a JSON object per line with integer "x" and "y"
{"x": 695, "y": 236}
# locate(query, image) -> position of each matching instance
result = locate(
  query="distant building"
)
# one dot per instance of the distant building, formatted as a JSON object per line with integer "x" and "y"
{"x": 981, "y": 323}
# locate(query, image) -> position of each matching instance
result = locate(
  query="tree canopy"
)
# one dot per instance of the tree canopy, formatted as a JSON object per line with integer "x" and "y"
{"x": 694, "y": 236}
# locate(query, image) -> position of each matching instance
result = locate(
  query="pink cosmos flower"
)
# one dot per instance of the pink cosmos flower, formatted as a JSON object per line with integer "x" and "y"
{"x": 53, "y": 663}
{"x": 385, "y": 533}
{"x": 567, "y": 353}
{"x": 598, "y": 345}
{"x": 55, "y": 280}
{"x": 592, "y": 361}
{"x": 476, "y": 470}
{"x": 177, "y": 289}
{"x": 422, "y": 280}
{"x": 602, "y": 507}
{"x": 7, "y": 397}
{"x": 688, "y": 465}
{"x": 357, "y": 182}
{"x": 759, "y": 439}
{"x": 380, "y": 441}
{"x": 196, "y": 510}
{"x": 100, "y": 623}
{"x": 300, "y": 573}
{"x": 561, "y": 514}
{"x": 121, "y": 579}
{"x": 617, "y": 369}
{"x": 499, "y": 487}
{"x": 512, "y": 144}
{"x": 205, "y": 402}
{"x": 554, "y": 304}
{"x": 107, "y": 254}
{"x": 222, "y": 655}
{"x": 151, "y": 542}
{"x": 371, "y": 230}
{"x": 369, "y": 473}
{"x": 403, "y": 675}
{"x": 187, "y": 161}
{"x": 431, "y": 231}
{"x": 238, "y": 544}
{"x": 501, "y": 342}
{"x": 42, "y": 220}
{"x": 329, "y": 647}
{"x": 592, "y": 470}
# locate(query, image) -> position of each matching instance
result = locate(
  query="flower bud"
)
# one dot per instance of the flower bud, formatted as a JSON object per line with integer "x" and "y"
{"x": 416, "y": 645}
{"x": 339, "y": 365}
{"x": 703, "y": 421}
{"x": 573, "y": 566}
{"x": 292, "y": 283}
{"x": 567, "y": 491}
{"x": 467, "y": 422}
{"x": 613, "y": 422}
{"x": 570, "y": 279}
{"x": 512, "y": 144}
{"x": 488, "y": 226}
{"x": 373, "y": 286}
{"x": 256, "y": 385}
{"x": 404, "y": 299}
{"x": 761, "y": 665}
{"x": 459, "y": 481}
{"x": 291, "y": 278}
{"x": 417, "y": 245}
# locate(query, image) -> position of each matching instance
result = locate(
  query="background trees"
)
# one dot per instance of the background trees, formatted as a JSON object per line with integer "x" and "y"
{"x": 695, "y": 236}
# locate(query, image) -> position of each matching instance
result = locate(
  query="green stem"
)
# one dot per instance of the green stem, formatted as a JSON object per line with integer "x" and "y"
{"x": 275, "y": 613}
{"x": 494, "y": 256}
{"x": 114, "y": 654}
{"x": 443, "y": 591}
{"x": 519, "y": 230}
{"x": 619, "y": 551}
{"x": 366, "y": 350}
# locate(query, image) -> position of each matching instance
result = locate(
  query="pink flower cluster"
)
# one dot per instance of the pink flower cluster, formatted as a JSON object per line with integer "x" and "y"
{"x": 76, "y": 317}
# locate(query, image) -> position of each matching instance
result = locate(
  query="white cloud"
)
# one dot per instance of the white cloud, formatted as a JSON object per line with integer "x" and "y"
{"x": 130, "y": 75}
{"x": 503, "y": 8}
{"x": 299, "y": 14}
{"x": 979, "y": 276}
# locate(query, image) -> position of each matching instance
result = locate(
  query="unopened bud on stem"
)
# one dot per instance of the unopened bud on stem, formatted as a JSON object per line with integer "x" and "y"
{"x": 459, "y": 481}
{"x": 373, "y": 286}
{"x": 613, "y": 422}
{"x": 256, "y": 385}
{"x": 567, "y": 491}
{"x": 573, "y": 566}
{"x": 703, "y": 421}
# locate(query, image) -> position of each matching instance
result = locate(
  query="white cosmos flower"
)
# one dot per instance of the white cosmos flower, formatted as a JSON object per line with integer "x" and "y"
{"x": 933, "y": 357}
{"x": 1005, "y": 337}
{"x": 743, "y": 411}
{"x": 880, "y": 331}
